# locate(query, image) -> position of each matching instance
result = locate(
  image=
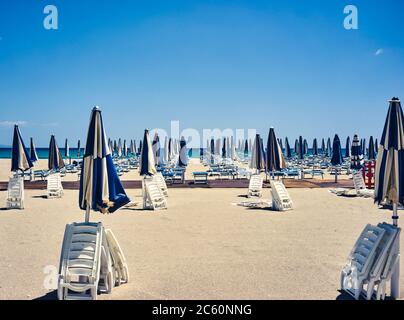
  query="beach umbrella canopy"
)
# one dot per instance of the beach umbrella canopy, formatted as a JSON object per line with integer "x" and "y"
{"x": 20, "y": 159}
{"x": 33, "y": 154}
{"x": 301, "y": 148}
{"x": 329, "y": 150}
{"x": 296, "y": 149}
{"x": 55, "y": 160}
{"x": 389, "y": 182}
{"x": 100, "y": 187}
{"x": 156, "y": 149}
{"x": 183, "y": 159}
{"x": 140, "y": 146}
{"x": 166, "y": 152}
{"x": 376, "y": 146}
{"x": 274, "y": 157}
{"x": 280, "y": 144}
{"x": 147, "y": 166}
{"x": 371, "y": 149}
{"x": 67, "y": 149}
{"x": 79, "y": 149}
{"x": 246, "y": 148}
{"x": 336, "y": 158}
{"x": 348, "y": 147}
{"x": 212, "y": 146}
{"x": 224, "y": 148}
{"x": 288, "y": 152}
{"x": 120, "y": 151}
{"x": 315, "y": 147}
{"x": 306, "y": 147}
{"x": 356, "y": 154}
{"x": 257, "y": 155}
{"x": 323, "y": 146}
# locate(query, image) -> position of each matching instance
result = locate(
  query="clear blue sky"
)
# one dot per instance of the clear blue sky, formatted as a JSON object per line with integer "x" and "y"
{"x": 210, "y": 64}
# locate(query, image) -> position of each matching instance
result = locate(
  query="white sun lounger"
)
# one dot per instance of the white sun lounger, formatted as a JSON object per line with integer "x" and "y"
{"x": 360, "y": 186}
{"x": 255, "y": 187}
{"x": 360, "y": 260}
{"x": 161, "y": 183}
{"x": 15, "y": 193}
{"x": 80, "y": 262}
{"x": 385, "y": 263}
{"x": 153, "y": 197}
{"x": 120, "y": 267}
{"x": 54, "y": 186}
{"x": 281, "y": 200}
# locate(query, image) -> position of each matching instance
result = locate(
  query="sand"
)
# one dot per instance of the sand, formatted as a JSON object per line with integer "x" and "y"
{"x": 202, "y": 247}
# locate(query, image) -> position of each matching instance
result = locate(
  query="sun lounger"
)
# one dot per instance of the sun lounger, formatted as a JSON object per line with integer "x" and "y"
{"x": 255, "y": 187}
{"x": 54, "y": 186}
{"x": 80, "y": 262}
{"x": 360, "y": 186}
{"x": 120, "y": 267}
{"x": 15, "y": 193}
{"x": 281, "y": 200}
{"x": 360, "y": 261}
{"x": 161, "y": 183}
{"x": 153, "y": 197}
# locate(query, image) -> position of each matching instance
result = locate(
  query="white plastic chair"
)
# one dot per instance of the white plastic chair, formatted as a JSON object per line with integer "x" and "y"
{"x": 15, "y": 193}
{"x": 153, "y": 197}
{"x": 281, "y": 200}
{"x": 54, "y": 186}
{"x": 360, "y": 186}
{"x": 161, "y": 183}
{"x": 120, "y": 267}
{"x": 255, "y": 186}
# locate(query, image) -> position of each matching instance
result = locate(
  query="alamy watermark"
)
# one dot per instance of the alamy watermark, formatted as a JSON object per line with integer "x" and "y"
{"x": 351, "y": 21}
{"x": 51, "y": 20}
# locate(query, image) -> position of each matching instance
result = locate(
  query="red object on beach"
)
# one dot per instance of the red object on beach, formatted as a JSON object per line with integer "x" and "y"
{"x": 368, "y": 172}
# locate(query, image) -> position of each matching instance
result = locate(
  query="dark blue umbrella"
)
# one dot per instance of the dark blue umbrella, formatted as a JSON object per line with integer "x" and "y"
{"x": 376, "y": 146}
{"x": 33, "y": 154}
{"x": 336, "y": 159}
{"x": 212, "y": 146}
{"x": 389, "y": 173}
{"x": 67, "y": 149}
{"x": 246, "y": 148}
{"x": 323, "y": 151}
{"x": 296, "y": 148}
{"x": 315, "y": 147}
{"x": 20, "y": 159}
{"x": 55, "y": 160}
{"x": 356, "y": 154}
{"x": 100, "y": 187}
{"x": 288, "y": 152}
{"x": 371, "y": 149}
{"x": 329, "y": 150}
{"x": 348, "y": 148}
{"x": 274, "y": 158}
{"x": 301, "y": 148}
{"x": 224, "y": 149}
{"x": 79, "y": 149}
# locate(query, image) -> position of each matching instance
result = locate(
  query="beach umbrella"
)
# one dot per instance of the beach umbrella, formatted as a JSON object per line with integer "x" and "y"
{"x": 125, "y": 149}
{"x": 183, "y": 159}
{"x": 217, "y": 146}
{"x": 323, "y": 151}
{"x": 301, "y": 148}
{"x": 288, "y": 152}
{"x": 257, "y": 161}
{"x": 274, "y": 160}
{"x": 212, "y": 146}
{"x": 119, "y": 152}
{"x": 329, "y": 150}
{"x": 224, "y": 149}
{"x": 135, "y": 148}
{"x": 306, "y": 147}
{"x": 20, "y": 159}
{"x": 336, "y": 159}
{"x": 246, "y": 148}
{"x": 280, "y": 144}
{"x": 156, "y": 149}
{"x": 233, "y": 150}
{"x": 376, "y": 146}
{"x": 166, "y": 156}
{"x": 115, "y": 147}
{"x": 315, "y": 147}
{"x": 371, "y": 149}
{"x": 140, "y": 146}
{"x": 67, "y": 149}
{"x": 389, "y": 182}
{"x": 296, "y": 149}
{"x": 33, "y": 154}
{"x": 131, "y": 150}
{"x": 55, "y": 160}
{"x": 147, "y": 166}
{"x": 356, "y": 154}
{"x": 348, "y": 147}
{"x": 100, "y": 187}
{"x": 79, "y": 149}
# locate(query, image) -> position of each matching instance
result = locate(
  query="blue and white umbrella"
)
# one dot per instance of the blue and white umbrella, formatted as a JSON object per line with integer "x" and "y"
{"x": 100, "y": 187}
{"x": 67, "y": 149}
{"x": 257, "y": 161}
{"x": 33, "y": 154}
{"x": 323, "y": 150}
{"x": 329, "y": 150}
{"x": 389, "y": 173}
{"x": 356, "y": 154}
{"x": 305, "y": 147}
{"x": 315, "y": 147}
{"x": 296, "y": 148}
{"x": 156, "y": 149}
{"x": 371, "y": 149}
{"x": 20, "y": 159}
{"x": 288, "y": 152}
{"x": 147, "y": 165}
{"x": 274, "y": 159}
{"x": 183, "y": 156}
{"x": 55, "y": 159}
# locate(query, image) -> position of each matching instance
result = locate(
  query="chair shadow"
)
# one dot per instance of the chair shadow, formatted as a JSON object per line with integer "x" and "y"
{"x": 39, "y": 197}
{"x": 242, "y": 196}
{"x": 347, "y": 297}
{"x": 50, "y": 296}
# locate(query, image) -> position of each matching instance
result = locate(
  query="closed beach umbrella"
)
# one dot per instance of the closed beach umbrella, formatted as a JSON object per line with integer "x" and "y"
{"x": 288, "y": 152}
{"x": 79, "y": 149}
{"x": 296, "y": 149}
{"x": 224, "y": 148}
{"x": 376, "y": 146}
{"x": 100, "y": 187}
{"x": 301, "y": 148}
{"x": 246, "y": 148}
{"x": 356, "y": 154}
{"x": 280, "y": 144}
{"x": 315, "y": 147}
{"x": 119, "y": 153}
{"x": 33, "y": 154}
{"x": 166, "y": 153}
{"x": 140, "y": 146}
{"x": 389, "y": 182}
{"x": 67, "y": 149}
{"x": 306, "y": 147}
{"x": 323, "y": 151}
{"x": 274, "y": 157}
{"x": 336, "y": 159}
{"x": 329, "y": 150}
{"x": 55, "y": 160}
{"x": 20, "y": 159}
{"x": 147, "y": 166}
{"x": 183, "y": 158}
{"x": 348, "y": 147}
{"x": 156, "y": 149}
{"x": 212, "y": 146}
{"x": 371, "y": 149}
{"x": 257, "y": 161}
{"x": 125, "y": 149}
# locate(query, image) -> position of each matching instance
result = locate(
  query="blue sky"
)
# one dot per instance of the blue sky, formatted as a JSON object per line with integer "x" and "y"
{"x": 209, "y": 64}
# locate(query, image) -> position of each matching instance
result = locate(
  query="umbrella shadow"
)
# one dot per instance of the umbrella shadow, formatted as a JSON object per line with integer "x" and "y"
{"x": 50, "y": 296}
{"x": 343, "y": 296}
{"x": 242, "y": 196}
{"x": 40, "y": 197}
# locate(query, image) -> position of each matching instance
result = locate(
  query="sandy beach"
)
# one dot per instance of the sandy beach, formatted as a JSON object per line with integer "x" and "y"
{"x": 202, "y": 247}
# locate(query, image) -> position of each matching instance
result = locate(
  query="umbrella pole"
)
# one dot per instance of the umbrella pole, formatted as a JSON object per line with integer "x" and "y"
{"x": 336, "y": 175}
{"x": 395, "y": 278}
{"x": 87, "y": 214}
